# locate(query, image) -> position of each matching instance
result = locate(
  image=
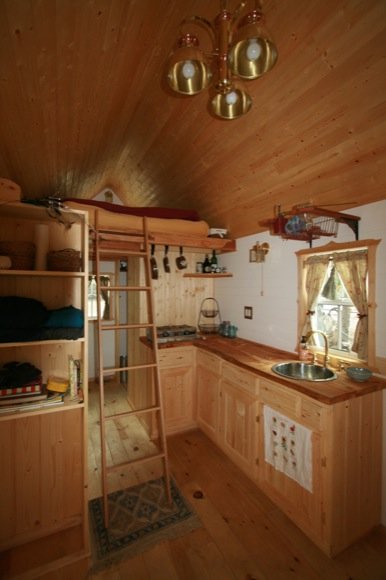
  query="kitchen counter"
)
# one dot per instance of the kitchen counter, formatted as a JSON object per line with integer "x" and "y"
{"x": 259, "y": 358}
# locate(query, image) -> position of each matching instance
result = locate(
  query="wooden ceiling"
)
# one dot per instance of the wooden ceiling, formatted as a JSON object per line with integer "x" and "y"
{"x": 84, "y": 107}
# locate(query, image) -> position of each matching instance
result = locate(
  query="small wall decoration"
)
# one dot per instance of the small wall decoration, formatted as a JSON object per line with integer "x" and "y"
{"x": 258, "y": 252}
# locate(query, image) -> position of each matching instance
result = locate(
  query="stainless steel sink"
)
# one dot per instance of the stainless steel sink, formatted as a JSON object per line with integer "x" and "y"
{"x": 304, "y": 371}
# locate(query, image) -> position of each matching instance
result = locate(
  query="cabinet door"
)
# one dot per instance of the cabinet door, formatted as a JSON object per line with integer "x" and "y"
{"x": 302, "y": 506}
{"x": 41, "y": 475}
{"x": 238, "y": 426}
{"x": 208, "y": 384}
{"x": 177, "y": 388}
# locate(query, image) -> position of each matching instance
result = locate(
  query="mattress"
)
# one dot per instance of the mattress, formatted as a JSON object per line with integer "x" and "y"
{"x": 125, "y": 221}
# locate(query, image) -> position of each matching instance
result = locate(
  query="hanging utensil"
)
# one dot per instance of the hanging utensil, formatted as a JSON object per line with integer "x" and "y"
{"x": 181, "y": 261}
{"x": 166, "y": 260}
{"x": 153, "y": 264}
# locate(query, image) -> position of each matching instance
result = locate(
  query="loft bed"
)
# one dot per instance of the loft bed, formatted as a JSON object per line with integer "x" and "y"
{"x": 173, "y": 227}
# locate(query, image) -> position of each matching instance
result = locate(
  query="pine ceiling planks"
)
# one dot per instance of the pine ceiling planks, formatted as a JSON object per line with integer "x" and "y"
{"x": 84, "y": 106}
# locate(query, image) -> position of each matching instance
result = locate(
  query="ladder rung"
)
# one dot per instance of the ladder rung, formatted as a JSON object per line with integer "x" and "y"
{"x": 160, "y": 455}
{"x": 123, "y": 235}
{"x": 133, "y": 413}
{"x": 123, "y": 326}
{"x": 123, "y": 252}
{"x": 118, "y": 288}
{"x": 130, "y": 368}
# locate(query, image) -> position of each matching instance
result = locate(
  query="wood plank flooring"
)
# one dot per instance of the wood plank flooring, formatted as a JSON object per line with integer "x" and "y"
{"x": 243, "y": 536}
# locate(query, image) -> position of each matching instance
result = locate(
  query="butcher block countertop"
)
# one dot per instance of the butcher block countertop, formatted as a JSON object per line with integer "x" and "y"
{"x": 259, "y": 358}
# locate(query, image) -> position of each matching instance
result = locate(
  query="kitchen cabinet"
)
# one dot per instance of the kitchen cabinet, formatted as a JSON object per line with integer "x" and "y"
{"x": 238, "y": 427}
{"x": 305, "y": 508}
{"x": 43, "y": 453}
{"x": 344, "y": 503}
{"x": 178, "y": 388}
{"x": 208, "y": 369}
{"x": 344, "y": 439}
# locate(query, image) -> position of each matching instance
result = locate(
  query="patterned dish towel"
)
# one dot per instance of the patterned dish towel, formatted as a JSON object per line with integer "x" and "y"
{"x": 288, "y": 447}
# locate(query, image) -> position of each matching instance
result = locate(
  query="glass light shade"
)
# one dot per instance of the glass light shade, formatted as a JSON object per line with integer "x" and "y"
{"x": 253, "y": 52}
{"x": 231, "y": 105}
{"x": 188, "y": 69}
{"x": 188, "y": 72}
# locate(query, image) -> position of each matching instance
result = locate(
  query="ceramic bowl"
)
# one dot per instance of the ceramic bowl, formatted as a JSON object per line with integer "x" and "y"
{"x": 359, "y": 374}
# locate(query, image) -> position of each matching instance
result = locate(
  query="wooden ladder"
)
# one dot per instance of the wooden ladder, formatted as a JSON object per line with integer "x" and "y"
{"x": 113, "y": 244}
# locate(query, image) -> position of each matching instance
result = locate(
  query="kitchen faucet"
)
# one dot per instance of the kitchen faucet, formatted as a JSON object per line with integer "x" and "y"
{"x": 325, "y": 343}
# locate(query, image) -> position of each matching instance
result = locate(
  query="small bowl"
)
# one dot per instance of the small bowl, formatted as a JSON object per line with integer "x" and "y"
{"x": 359, "y": 374}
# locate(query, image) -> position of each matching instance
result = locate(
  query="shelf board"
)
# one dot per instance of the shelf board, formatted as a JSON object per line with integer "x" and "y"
{"x": 43, "y": 273}
{"x": 198, "y": 275}
{"x": 194, "y": 242}
{"x": 41, "y": 342}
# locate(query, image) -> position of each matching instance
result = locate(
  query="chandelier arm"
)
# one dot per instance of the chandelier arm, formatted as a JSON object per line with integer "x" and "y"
{"x": 238, "y": 10}
{"x": 203, "y": 22}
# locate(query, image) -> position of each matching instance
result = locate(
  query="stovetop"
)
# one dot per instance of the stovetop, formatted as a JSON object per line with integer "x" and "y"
{"x": 172, "y": 333}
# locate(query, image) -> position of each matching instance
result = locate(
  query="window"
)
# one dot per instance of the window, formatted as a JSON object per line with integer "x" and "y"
{"x": 105, "y": 299}
{"x": 337, "y": 297}
{"x": 335, "y": 314}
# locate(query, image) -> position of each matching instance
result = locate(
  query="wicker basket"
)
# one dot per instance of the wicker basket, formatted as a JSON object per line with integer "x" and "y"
{"x": 209, "y": 313}
{"x": 209, "y": 328}
{"x": 67, "y": 260}
{"x": 21, "y": 254}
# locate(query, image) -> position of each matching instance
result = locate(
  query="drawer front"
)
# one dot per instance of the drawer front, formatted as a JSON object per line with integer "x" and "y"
{"x": 280, "y": 398}
{"x": 240, "y": 378}
{"x": 209, "y": 361}
{"x": 311, "y": 413}
{"x": 176, "y": 357}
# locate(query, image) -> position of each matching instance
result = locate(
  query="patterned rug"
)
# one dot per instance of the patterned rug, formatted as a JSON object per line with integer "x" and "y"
{"x": 139, "y": 518}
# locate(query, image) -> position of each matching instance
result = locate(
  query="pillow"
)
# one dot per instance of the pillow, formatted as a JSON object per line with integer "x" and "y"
{"x": 19, "y": 312}
{"x": 66, "y": 317}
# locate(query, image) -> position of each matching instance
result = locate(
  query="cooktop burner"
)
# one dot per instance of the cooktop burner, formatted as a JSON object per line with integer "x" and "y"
{"x": 179, "y": 332}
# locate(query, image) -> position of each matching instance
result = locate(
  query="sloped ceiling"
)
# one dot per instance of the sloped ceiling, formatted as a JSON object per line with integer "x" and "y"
{"x": 84, "y": 107}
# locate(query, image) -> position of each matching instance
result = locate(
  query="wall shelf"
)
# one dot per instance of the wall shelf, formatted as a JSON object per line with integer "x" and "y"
{"x": 198, "y": 275}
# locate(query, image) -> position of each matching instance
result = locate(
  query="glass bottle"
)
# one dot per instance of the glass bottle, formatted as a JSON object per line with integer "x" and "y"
{"x": 213, "y": 262}
{"x": 207, "y": 265}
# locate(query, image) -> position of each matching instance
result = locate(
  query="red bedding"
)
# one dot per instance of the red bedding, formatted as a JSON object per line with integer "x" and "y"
{"x": 155, "y": 212}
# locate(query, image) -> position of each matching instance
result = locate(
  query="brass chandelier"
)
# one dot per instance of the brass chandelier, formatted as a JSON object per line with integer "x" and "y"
{"x": 241, "y": 47}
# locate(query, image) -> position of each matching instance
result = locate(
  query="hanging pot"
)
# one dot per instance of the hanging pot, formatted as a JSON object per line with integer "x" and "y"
{"x": 166, "y": 260}
{"x": 153, "y": 264}
{"x": 181, "y": 262}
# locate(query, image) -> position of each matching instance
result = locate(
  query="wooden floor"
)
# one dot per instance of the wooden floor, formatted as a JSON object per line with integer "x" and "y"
{"x": 243, "y": 535}
{"x": 126, "y": 440}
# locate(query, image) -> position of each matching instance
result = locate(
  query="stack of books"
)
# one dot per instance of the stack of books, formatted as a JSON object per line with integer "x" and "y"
{"x": 27, "y": 397}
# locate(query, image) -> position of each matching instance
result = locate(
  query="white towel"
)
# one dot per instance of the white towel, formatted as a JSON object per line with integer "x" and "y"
{"x": 288, "y": 447}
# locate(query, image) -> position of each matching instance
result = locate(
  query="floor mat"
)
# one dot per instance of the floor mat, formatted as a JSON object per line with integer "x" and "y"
{"x": 139, "y": 518}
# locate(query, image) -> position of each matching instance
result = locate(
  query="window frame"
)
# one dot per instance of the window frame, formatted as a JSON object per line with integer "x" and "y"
{"x": 371, "y": 247}
{"x": 111, "y": 276}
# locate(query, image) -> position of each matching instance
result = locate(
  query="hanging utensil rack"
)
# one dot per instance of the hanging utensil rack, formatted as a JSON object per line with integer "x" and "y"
{"x": 309, "y": 222}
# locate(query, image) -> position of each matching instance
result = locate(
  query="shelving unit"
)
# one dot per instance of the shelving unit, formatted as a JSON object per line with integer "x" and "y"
{"x": 43, "y": 451}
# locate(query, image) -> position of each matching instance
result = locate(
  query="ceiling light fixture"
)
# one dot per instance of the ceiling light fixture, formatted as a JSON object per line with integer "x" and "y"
{"x": 241, "y": 47}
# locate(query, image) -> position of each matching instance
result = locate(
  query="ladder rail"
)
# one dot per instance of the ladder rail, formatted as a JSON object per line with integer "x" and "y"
{"x": 101, "y": 378}
{"x": 151, "y": 309}
{"x": 157, "y": 408}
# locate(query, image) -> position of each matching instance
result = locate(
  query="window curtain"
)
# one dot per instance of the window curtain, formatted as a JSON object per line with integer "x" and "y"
{"x": 352, "y": 268}
{"x": 316, "y": 268}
